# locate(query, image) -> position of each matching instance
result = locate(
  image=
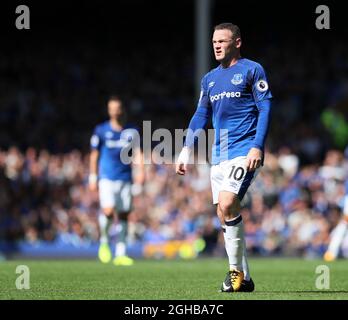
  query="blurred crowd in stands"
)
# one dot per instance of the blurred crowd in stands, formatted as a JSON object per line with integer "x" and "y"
{"x": 51, "y": 99}
{"x": 289, "y": 210}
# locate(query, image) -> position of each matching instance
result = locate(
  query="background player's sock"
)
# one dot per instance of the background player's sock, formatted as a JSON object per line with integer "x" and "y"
{"x": 337, "y": 238}
{"x": 104, "y": 225}
{"x": 234, "y": 242}
{"x": 120, "y": 248}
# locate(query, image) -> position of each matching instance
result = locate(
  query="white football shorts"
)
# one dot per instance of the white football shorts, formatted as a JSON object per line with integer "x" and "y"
{"x": 115, "y": 194}
{"x": 345, "y": 205}
{"x": 231, "y": 175}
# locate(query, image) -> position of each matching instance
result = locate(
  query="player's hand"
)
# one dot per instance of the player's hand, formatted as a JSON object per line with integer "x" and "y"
{"x": 137, "y": 189}
{"x": 254, "y": 158}
{"x": 183, "y": 159}
{"x": 181, "y": 168}
{"x": 93, "y": 182}
{"x": 93, "y": 186}
{"x": 140, "y": 178}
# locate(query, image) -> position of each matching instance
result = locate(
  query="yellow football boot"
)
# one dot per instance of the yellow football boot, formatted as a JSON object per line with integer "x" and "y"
{"x": 328, "y": 256}
{"x": 123, "y": 261}
{"x": 104, "y": 253}
{"x": 237, "y": 278}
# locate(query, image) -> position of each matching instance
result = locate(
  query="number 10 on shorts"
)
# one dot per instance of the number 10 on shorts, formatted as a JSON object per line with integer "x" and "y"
{"x": 237, "y": 174}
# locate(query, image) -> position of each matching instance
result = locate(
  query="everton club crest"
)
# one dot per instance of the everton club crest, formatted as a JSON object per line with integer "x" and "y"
{"x": 237, "y": 79}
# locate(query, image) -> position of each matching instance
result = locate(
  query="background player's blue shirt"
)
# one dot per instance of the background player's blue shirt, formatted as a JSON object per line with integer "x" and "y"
{"x": 109, "y": 142}
{"x": 234, "y": 97}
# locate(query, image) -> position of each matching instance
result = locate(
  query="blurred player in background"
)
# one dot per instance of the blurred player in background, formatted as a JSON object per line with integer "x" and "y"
{"x": 340, "y": 231}
{"x": 113, "y": 177}
{"x": 237, "y": 96}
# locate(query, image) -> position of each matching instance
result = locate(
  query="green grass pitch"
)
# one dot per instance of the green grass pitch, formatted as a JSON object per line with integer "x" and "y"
{"x": 200, "y": 279}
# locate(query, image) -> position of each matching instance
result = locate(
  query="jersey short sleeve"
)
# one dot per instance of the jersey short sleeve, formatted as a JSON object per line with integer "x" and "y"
{"x": 96, "y": 139}
{"x": 260, "y": 87}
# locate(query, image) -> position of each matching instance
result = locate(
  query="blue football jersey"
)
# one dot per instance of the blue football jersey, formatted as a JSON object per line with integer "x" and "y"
{"x": 232, "y": 94}
{"x": 110, "y": 143}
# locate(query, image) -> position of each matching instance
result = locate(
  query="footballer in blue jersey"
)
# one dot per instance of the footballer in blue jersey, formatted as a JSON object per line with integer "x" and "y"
{"x": 112, "y": 175}
{"x": 236, "y": 95}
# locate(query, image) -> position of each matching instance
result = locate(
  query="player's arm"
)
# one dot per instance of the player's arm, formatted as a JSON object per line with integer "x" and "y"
{"x": 255, "y": 155}
{"x": 93, "y": 161}
{"x": 262, "y": 97}
{"x": 198, "y": 122}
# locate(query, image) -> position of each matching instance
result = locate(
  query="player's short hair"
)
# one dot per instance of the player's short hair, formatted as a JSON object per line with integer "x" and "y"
{"x": 115, "y": 97}
{"x": 118, "y": 98}
{"x": 229, "y": 26}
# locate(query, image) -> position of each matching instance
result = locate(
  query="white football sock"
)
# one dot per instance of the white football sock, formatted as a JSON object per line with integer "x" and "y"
{"x": 245, "y": 263}
{"x": 104, "y": 225}
{"x": 234, "y": 242}
{"x": 245, "y": 260}
{"x": 120, "y": 249}
{"x": 337, "y": 237}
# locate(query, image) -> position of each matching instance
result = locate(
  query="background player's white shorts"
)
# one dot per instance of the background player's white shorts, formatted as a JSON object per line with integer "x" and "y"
{"x": 115, "y": 194}
{"x": 231, "y": 175}
{"x": 345, "y": 205}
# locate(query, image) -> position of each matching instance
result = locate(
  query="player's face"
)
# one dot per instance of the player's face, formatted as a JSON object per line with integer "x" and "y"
{"x": 224, "y": 45}
{"x": 115, "y": 109}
